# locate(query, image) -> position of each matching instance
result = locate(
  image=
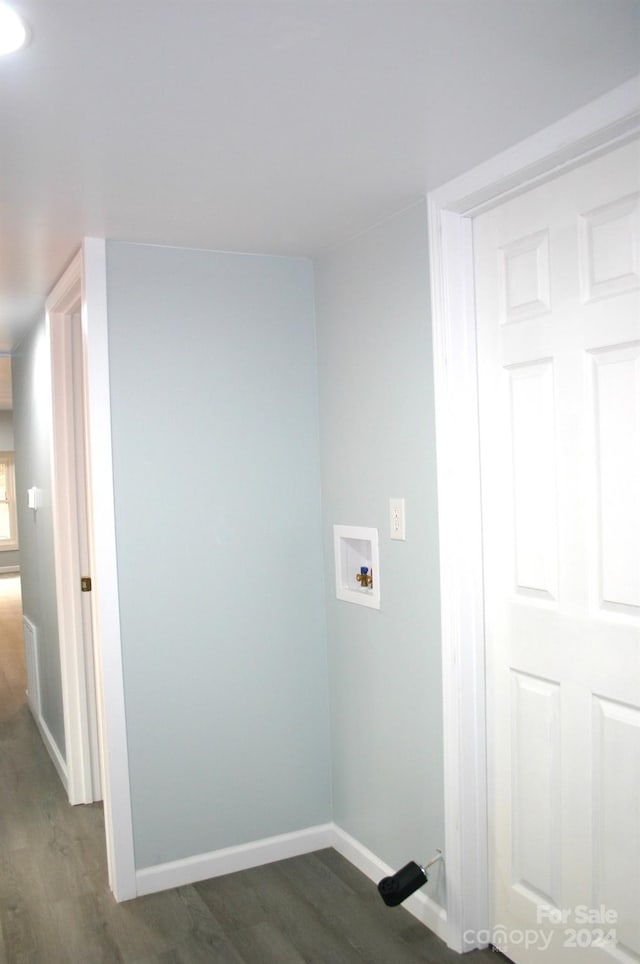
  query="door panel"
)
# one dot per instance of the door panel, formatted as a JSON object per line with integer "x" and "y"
{"x": 616, "y": 739}
{"x": 615, "y": 384}
{"x": 534, "y": 478}
{"x": 535, "y": 769}
{"x": 558, "y": 312}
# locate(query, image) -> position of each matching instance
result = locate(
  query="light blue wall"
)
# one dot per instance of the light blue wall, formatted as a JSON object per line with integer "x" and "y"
{"x": 217, "y": 496}
{"x": 32, "y": 418}
{"x": 377, "y": 442}
{"x": 8, "y": 557}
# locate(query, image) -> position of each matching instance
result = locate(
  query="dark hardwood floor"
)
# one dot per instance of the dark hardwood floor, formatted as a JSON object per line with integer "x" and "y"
{"x": 56, "y": 907}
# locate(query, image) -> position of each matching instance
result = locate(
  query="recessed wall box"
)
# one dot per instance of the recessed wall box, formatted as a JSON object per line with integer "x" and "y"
{"x": 357, "y": 565}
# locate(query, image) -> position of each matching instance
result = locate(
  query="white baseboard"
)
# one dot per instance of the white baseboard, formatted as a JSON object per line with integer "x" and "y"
{"x": 427, "y": 911}
{"x": 177, "y": 873}
{"x": 52, "y": 749}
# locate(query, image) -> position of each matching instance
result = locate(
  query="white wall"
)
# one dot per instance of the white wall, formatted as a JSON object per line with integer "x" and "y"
{"x": 217, "y": 498}
{"x": 377, "y": 442}
{"x": 31, "y": 376}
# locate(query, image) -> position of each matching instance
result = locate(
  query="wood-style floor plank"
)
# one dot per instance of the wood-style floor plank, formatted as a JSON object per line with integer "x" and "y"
{"x": 56, "y": 907}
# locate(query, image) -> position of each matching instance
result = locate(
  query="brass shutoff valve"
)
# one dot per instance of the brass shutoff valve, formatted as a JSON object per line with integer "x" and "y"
{"x": 365, "y": 578}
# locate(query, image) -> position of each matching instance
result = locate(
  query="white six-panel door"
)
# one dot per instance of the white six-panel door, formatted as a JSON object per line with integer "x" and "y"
{"x": 558, "y": 314}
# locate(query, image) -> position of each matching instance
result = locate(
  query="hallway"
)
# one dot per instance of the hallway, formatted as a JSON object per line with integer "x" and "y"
{"x": 56, "y": 907}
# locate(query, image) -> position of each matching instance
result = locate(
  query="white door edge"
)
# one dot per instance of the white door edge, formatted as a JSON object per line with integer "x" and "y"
{"x": 610, "y": 120}
{"x": 106, "y": 610}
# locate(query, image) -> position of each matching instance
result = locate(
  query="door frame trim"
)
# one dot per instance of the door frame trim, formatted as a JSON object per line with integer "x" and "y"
{"x": 104, "y": 564}
{"x": 607, "y": 122}
{"x": 76, "y": 672}
{"x": 83, "y": 285}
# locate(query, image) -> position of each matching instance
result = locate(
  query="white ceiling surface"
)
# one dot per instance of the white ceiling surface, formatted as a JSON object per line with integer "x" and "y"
{"x": 278, "y": 126}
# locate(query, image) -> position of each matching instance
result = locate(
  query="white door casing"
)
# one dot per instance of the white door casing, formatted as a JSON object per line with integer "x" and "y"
{"x": 77, "y": 330}
{"x": 610, "y": 120}
{"x": 558, "y": 323}
{"x": 70, "y": 538}
{"x": 84, "y": 553}
{"x": 106, "y": 610}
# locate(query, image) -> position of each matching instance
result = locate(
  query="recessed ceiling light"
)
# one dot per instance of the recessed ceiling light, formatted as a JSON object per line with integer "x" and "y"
{"x": 13, "y": 33}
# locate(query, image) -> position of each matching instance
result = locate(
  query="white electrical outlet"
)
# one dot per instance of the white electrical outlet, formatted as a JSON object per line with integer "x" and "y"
{"x": 396, "y": 519}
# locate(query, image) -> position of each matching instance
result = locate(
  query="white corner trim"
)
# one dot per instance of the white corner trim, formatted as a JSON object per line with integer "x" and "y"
{"x": 64, "y": 295}
{"x": 423, "y": 907}
{"x": 52, "y": 748}
{"x": 607, "y": 122}
{"x": 229, "y": 860}
{"x": 106, "y": 613}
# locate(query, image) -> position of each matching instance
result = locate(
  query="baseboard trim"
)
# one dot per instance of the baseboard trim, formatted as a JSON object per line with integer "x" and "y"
{"x": 52, "y": 749}
{"x": 177, "y": 873}
{"x": 423, "y": 907}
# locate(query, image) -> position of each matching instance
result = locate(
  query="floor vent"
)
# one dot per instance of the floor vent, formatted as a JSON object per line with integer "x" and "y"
{"x": 33, "y": 675}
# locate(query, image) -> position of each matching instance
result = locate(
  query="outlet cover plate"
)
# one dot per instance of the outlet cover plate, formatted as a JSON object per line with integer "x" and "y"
{"x": 397, "y": 527}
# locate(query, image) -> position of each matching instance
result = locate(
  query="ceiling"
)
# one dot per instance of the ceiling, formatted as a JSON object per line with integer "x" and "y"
{"x": 276, "y": 126}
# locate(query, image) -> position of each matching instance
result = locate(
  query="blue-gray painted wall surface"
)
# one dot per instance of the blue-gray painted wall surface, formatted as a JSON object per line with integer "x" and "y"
{"x": 217, "y": 499}
{"x": 377, "y": 442}
{"x": 31, "y": 376}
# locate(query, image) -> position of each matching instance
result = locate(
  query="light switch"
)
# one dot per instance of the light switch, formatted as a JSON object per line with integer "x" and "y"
{"x": 32, "y": 495}
{"x": 397, "y": 519}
